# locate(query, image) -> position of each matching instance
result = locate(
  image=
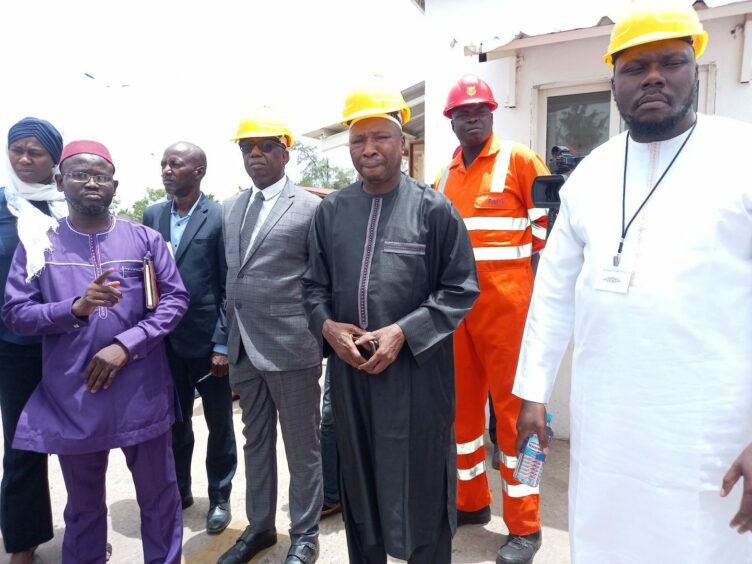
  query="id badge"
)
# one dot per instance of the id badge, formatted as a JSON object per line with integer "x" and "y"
{"x": 613, "y": 279}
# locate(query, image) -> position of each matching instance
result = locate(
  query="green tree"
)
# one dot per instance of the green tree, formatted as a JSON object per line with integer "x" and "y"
{"x": 317, "y": 172}
{"x": 136, "y": 212}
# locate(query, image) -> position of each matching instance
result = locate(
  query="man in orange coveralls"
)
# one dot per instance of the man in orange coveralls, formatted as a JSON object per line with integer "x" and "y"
{"x": 489, "y": 181}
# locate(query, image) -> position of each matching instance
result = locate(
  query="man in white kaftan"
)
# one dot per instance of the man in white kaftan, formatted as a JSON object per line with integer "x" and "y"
{"x": 661, "y": 402}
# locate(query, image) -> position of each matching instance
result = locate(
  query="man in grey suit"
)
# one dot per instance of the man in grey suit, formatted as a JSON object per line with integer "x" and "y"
{"x": 275, "y": 363}
{"x": 192, "y": 226}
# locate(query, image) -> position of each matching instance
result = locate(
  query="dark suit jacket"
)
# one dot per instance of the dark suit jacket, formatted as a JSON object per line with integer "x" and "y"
{"x": 201, "y": 261}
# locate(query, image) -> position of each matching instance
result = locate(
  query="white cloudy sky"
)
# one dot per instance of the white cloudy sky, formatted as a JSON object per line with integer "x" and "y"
{"x": 193, "y": 68}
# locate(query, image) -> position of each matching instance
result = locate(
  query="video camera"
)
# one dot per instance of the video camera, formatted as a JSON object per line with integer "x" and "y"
{"x": 545, "y": 190}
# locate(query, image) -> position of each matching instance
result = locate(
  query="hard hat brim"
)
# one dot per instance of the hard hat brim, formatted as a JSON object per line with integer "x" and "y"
{"x": 699, "y": 42}
{"x": 469, "y": 102}
{"x": 404, "y": 112}
{"x": 261, "y": 135}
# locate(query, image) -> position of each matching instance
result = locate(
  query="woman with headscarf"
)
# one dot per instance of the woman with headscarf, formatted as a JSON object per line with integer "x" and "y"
{"x": 30, "y": 205}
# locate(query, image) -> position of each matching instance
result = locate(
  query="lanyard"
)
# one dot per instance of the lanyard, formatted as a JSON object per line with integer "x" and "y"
{"x": 625, "y": 228}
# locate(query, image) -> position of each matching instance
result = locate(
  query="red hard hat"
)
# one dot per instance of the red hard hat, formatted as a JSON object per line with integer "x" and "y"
{"x": 469, "y": 90}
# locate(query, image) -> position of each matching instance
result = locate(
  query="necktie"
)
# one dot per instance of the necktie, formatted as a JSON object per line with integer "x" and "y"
{"x": 251, "y": 218}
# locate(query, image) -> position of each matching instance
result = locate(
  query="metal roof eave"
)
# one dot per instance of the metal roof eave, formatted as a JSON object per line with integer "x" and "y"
{"x": 510, "y": 49}
{"x": 523, "y": 41}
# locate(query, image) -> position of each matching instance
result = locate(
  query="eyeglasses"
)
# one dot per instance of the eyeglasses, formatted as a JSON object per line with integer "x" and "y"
{"x": 266, "y": 146}
{"x": 78, "y": 176}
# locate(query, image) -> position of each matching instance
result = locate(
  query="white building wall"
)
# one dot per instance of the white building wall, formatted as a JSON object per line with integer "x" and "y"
{"x": 564, "y": 64}
{"x": 732, "y": 98}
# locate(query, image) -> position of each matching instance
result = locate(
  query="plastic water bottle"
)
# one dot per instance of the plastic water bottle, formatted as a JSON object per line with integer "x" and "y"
{"x": 531, "y": 459}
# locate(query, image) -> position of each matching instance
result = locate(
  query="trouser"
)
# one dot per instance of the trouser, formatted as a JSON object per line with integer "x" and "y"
{"x": 153, "y": 470}
{"x": 329, "y": 457}
{"x": 487, "y": 347}
{"x": 221, "y": 451}
{"x": 438, "y": 552}
{"x": 25, "y": 511}
{"x": 295, "y": 395}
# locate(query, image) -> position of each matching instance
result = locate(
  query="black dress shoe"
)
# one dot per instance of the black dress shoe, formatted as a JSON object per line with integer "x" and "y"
{"x": 248, "y": 545}
{"x": 218, "y": 518}
{"x": 519, "y": 549}
{"x": 186, "y": 500}
{"x": 480, "y": 517}
{"x": 305, "y": 552}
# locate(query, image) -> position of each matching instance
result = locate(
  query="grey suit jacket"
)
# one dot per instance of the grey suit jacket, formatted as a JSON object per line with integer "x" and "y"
{"x": 265, "y": 290}
{"x": 201, "y": 262}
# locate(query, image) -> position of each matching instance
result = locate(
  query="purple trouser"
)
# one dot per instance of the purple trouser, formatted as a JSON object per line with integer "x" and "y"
{"x": 153, "y": 470}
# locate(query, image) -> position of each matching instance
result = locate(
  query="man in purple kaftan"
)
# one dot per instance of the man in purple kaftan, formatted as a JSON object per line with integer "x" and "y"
{"x": 106, "y": 382}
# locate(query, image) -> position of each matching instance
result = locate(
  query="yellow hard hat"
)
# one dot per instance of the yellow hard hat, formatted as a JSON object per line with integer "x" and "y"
{"x": 656, "y": 20}
{"x": 263, "y": 127}
{"x": 374, "y": 99}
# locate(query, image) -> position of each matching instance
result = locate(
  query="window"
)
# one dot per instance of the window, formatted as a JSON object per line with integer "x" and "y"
{"x": 580, "y": 117}
{"x": 579, "y": 121}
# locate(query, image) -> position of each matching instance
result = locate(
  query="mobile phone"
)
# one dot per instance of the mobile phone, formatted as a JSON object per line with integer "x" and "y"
{"x": 367, "y": 349}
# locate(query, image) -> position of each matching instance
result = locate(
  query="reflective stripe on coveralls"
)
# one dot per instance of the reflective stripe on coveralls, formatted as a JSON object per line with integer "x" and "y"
{"x": 503, "y": 253}
{"x": 508, "y": 461}
{"x": 497, "y": 223}
{"x": 471, "y": 473}
{"x": 470, "y": 446}
{"x": 519, "y": 490}
{"x": 535, "y": 214}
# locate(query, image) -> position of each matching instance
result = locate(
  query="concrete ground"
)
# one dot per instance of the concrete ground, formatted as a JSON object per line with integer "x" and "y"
{"x": 472, "y": 544}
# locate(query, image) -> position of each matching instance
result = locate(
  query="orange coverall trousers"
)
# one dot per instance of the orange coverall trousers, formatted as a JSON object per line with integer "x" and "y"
{"x": 487, "y": 346}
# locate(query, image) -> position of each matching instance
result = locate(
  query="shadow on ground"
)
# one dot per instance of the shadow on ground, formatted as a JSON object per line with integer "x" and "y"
{"x": 204, "y": 549}
{"x": 126, "y": 518}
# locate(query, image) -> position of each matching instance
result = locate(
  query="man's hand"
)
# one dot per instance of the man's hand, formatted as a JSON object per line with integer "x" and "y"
{"x": 742, "y": 467}
{"x": 339, "y": 337}
{"x": 390, "y": 339}
{"x": 219, "y": 365}
{"x": 104, "y": 366}
{"x": 531, "y": 421}
{"x": 98, "y": 294}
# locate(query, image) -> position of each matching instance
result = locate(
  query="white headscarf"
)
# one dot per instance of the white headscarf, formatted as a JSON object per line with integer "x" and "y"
{"x": 33, "y": 225}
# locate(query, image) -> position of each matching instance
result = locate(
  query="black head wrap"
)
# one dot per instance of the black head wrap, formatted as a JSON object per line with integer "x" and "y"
{"x": 41, "y": 130}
